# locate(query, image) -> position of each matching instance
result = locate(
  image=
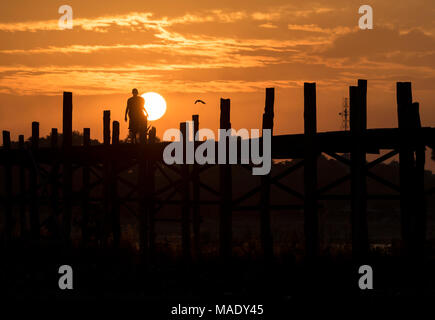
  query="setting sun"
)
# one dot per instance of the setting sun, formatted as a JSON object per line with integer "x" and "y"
{"x": 155, "y": 105}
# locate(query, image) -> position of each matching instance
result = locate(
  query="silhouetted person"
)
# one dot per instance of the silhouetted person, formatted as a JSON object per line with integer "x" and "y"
{"x": 137, "y": 115}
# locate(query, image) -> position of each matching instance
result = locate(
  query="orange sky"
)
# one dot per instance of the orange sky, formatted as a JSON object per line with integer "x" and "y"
{"x": 188, "y": 50}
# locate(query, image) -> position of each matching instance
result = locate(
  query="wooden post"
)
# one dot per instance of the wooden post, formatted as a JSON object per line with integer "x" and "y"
{"x": 116, "y": 218}
{"x": 311, "y": 219}
{"x": 266, "y": 230}
{"x": 358, "y": 126}
{"x": 54, "y": 182}
{"x": 86, "y": 177}
{"x": 150, "y": 192}
{"x": 8, "y": 189}
{"x": 225, "y": 181}
{"x": 362, "y": 84}
{"x": 67, "y": 119}
{"x": 185, "y": 191}
{"x": 196, "y": 215}
{"x": 406, "y": 162}
{"x": 106, "y": 178}
{"x": 115, "y": 135}
{"x": 54, "y": 137}
{"x": 67, "y": 167}
{"x": 34, "y": 212}
{"x": 420, "y": 198}
{"x": 22, "y": 187}
{"x": 106, "y": 127}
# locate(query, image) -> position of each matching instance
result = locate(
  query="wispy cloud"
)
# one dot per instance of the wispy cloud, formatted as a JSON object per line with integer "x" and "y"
{"x": 316, "y": 28}
{"x": 174, "y": 51}
{"x": 268, "y": 26}
{"x": 133, "y": 21}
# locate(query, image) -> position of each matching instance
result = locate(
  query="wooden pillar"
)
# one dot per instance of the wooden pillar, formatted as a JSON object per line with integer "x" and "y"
{"x": 86, "y": 178}
{"x": 419, "y": 190}
{"x": 106, "y": 127}
{"x": 406, "y": 162}
{"x": 311, "y": 220}
{"x": 106, "y": 178}
{"x": 116, "y": 218}
{"x": 151, "y": 199}
{"x": 67, "y": 167}
{"x": 67, "y": 119}
{"x": 362, "y": 84}
{"x": 413, "y": 201}
{"x": 185, "y": 192}
{"x": 266, "y": 229}
{"x": 196, "y": 214}
{"x": 358, "y": 126}
{"x": 225, "y": 182}
{"x": 115, "y": 134}
{"x": 8, "y": 227}
{"x": 34, "y": 210}
{"x": 54, "y": 183}
{"x": 54, "y": 138}
{"x": 22, "y": 190}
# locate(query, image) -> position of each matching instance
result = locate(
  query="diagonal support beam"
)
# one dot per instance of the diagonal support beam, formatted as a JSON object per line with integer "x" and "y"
{"x": 381, "y": 159}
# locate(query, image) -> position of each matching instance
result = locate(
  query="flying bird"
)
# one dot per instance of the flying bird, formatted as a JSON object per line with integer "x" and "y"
{"x": 199, "y": 101}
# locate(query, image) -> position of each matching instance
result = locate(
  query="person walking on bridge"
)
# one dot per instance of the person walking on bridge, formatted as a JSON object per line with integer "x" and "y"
{"x": 137, "y": 114}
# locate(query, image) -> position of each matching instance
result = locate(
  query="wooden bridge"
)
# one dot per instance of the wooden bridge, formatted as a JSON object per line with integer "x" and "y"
{"x": 46, "y": 177}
